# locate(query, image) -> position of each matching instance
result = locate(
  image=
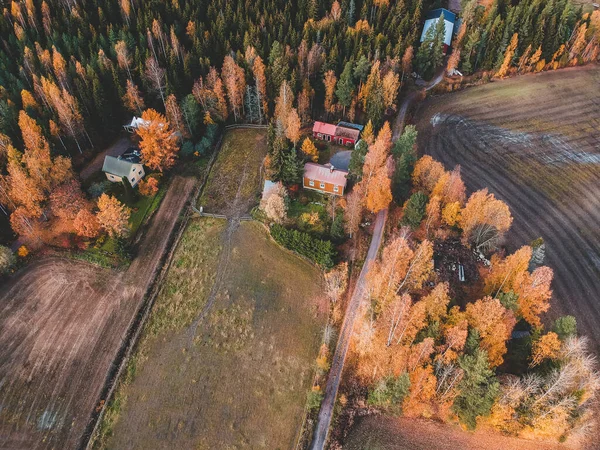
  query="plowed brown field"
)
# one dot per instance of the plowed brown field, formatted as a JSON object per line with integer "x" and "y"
{"x": 61, "y": 325}
{"x": 534, "y": 141}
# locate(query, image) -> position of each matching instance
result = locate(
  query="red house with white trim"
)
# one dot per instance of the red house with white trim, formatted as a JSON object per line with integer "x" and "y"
{"x": 324, "y": 131}
{"x": 346, "y": 136}
{"x": 343, "y": 133}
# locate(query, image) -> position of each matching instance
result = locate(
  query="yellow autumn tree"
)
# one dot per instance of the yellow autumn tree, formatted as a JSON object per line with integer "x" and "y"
{"x": 113, "y": 216}
{"x": 546, "y": 347}
{"x": 158, "y": 143}
{"x": 508, "y": 56}
{"x": 309, "y": 149}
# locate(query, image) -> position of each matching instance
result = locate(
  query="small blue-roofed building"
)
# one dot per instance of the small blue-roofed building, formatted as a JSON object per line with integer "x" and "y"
{"x": 449, "y": 20}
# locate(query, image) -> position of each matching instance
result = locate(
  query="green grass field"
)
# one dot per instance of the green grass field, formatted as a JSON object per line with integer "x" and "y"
{"x": 250, "y": 362}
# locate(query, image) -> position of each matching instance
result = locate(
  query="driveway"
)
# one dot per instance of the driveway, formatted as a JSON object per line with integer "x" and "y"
{"x": 116, "y": 149}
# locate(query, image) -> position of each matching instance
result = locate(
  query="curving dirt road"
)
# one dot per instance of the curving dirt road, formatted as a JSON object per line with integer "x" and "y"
{"x": 62, "y": 323}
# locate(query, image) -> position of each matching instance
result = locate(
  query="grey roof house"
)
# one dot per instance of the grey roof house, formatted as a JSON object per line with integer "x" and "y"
{"x": 127, "y": 165}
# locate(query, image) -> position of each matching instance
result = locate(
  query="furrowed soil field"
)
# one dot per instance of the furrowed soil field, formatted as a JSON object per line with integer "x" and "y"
{"x": 534, "y": 141}
{"x": 226, "y": 359}
{"x": 389, "y": 433}
{"x": 62, "y": 323}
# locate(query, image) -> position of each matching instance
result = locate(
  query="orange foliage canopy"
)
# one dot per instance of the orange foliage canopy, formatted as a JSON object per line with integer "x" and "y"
{"x": 484, "y": 212}
{"x": 546, "y": 347}
{"x": 494, "y": 323}
{"x": 158, "y": 143}
{"x": 113, "y": 216}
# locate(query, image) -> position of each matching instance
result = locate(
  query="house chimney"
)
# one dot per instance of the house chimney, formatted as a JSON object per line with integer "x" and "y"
{"x": 331, "y": 169}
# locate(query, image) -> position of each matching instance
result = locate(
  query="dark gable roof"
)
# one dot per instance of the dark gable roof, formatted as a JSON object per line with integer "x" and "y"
{"x": 349, "y": 133}
{"x": 351, "y": 125}
{"x": 116, "y": 166}
{"x": 448, "y": 15}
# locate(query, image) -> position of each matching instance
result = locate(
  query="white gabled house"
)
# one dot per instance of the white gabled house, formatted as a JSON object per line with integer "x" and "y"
{"x": 127, "y": 165}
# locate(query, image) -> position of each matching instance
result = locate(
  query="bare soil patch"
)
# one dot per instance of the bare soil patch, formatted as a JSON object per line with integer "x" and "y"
{"x": 534, "y": 141}
{"x": 243, "y": 381}
{"x": 389, "y": 433}
{"x": 61, "y": 325}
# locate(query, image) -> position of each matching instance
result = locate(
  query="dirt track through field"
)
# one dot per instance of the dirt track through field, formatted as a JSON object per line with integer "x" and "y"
{"x": 61, "y": 325}
{"x": 534, "y": 141}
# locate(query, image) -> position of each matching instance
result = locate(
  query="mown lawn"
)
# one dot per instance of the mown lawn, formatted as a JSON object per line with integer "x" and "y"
{"x": 240, "y": 379}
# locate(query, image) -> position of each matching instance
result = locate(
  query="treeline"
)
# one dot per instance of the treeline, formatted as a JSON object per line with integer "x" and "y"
{"x": 98, "y": 52}
{"x": 525, "y": 36}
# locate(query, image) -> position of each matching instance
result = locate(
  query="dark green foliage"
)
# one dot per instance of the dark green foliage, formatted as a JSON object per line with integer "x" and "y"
{"x": 406, "y": 157}
{"x": 191, "y": 114}
{"x": 389, "y": 392}
{"x": 565, "y": 326}
{"x": 472, "y": 343}
{"x": 208, "y": 140}
{"x": 187, "y": 149}
{"x": 291, "y": 169}
{"x": 337, "y": 228}
{"x": 317, "y": 250}
{"x": 414, "y": 209}
{"x": 128, "y": 189}
{"x": 357, "y": 160}
{"x": 430, "y": 54}
{"x": 477, "y": 389}
{"x": 345, "y": 87}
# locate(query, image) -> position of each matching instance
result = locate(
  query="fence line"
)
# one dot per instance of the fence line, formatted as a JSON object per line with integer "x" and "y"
{"x": 246, "y": 125}
{"x": 128, "y": 347}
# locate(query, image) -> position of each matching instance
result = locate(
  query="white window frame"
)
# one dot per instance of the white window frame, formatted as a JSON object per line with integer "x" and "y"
{"x": 322, "y": 185}
{"x": 328, "y": 138}
{"x": 311, "y": 183}
{"x": 336, "y": 188}
{"x": 320, "y": 135}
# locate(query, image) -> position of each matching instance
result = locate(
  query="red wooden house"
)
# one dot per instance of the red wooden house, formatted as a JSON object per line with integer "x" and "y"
{"x": 324, "y": 131}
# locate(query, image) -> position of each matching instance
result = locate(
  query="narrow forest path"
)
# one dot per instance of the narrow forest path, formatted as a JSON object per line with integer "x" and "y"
{"x": 339, "y": 358}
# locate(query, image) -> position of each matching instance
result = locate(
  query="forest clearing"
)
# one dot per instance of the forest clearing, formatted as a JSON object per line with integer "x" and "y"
{"x": 534, "y": 142}
{"x": 63, "y": 323}
{"x": 236, "y": 172}
{"x": 235, "y": 330}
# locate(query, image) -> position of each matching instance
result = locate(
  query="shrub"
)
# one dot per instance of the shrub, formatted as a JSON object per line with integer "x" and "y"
{"x": 7, "y": 259}
{"x": 317, "y": 250}
{"x": 315, "y": 397}
{"x": 390, "y": 392}
{"x": 148, "y": 187}
{"x": 565, "y": 326}
{"x": 97, "y": 189}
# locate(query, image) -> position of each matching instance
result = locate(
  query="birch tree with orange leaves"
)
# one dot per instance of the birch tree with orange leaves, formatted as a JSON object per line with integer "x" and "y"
{"x": 132, "y": 99}
{"x": 113, "y": 216}
{"x": 484, "y": 220}
{"x": 235, "y": 84}
{"x": 175, "y": 117}
{"x": 494, "y": 323}
{"x": 158, "y": 144}
{"x": 210, "y": 93}
{"x": 330, "y": 82}
{"x": 376, "y": 181}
